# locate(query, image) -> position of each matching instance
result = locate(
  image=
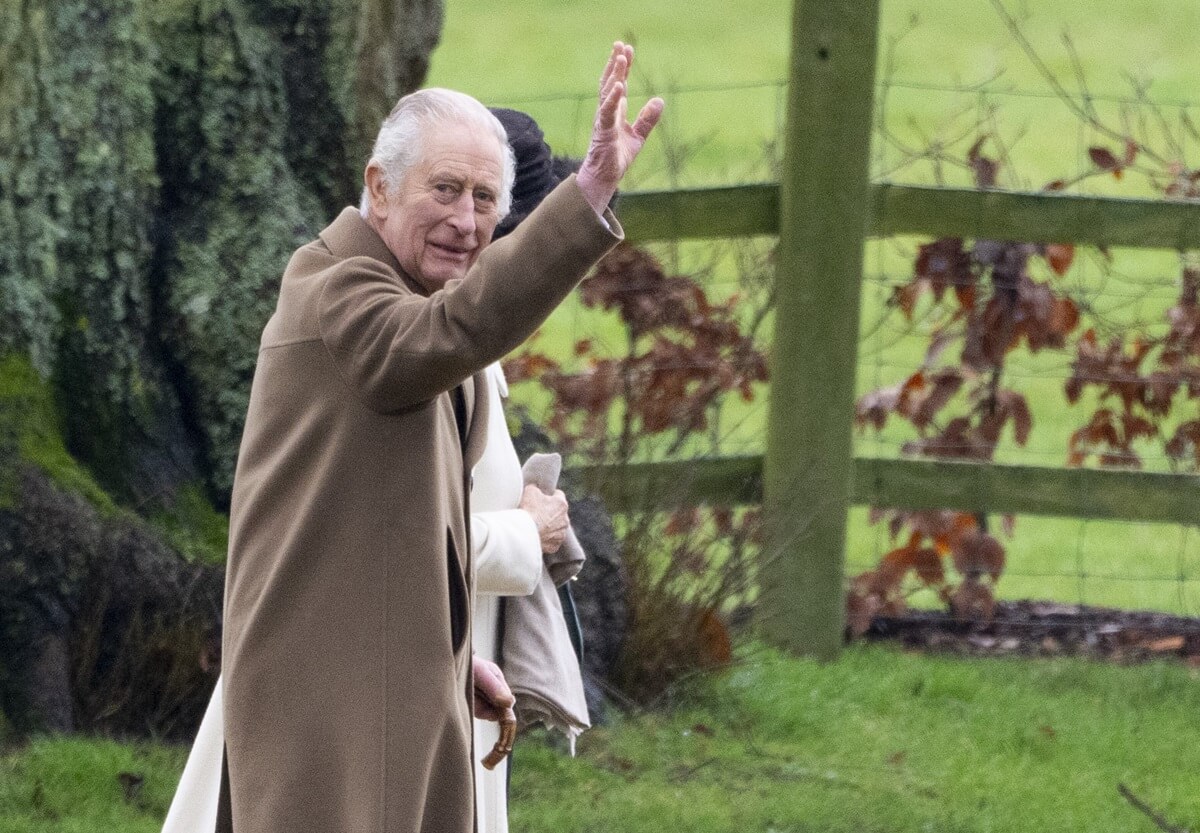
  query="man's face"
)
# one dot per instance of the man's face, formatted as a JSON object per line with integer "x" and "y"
{"x": 444, "y": 211}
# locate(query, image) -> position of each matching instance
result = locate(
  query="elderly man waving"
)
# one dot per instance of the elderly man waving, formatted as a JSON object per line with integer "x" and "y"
{"x": 348, "y": 675}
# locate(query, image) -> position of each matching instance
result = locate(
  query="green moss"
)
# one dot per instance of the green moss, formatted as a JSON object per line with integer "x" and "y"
{"x": 194, "y": 528}
{"x": 78, "y": 189}
{"x": 30, "y": 432}
{"x": 236, "y": 208}
{"x": 163, "y": 159}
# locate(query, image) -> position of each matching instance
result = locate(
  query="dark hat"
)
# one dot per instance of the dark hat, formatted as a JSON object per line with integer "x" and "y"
{"x": 536, "y": 174}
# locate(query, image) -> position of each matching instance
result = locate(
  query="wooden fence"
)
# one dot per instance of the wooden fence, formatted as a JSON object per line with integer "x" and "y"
{"x": 808, "y": 478}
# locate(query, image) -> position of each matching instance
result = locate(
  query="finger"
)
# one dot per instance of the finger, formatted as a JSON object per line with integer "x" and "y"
{"x": 486, "y": 689}
{"x": 621, "y": 70}
{"x": 484, "y": 710}
{"x": 500, "y": 697}
{"x": 608, "y": 107}
{"x": 609, "y": 66}
{"x": 617, "y": 76}
{"x": 612, "y": 72}
{"x": 648, "y": 117}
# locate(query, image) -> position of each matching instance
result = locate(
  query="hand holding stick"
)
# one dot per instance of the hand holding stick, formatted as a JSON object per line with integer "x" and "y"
{"x": 494, "y": 701}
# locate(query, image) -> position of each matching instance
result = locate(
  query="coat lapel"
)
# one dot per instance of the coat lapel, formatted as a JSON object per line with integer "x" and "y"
{"x": 476, "y": 393}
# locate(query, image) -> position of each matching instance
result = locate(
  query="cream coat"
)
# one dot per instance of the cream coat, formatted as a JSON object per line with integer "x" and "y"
{"x": 508, "y": 562}
{"x": 349, "y": 587}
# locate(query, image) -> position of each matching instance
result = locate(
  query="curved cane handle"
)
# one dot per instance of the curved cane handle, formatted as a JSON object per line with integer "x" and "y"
{"x": 508, "y": 734}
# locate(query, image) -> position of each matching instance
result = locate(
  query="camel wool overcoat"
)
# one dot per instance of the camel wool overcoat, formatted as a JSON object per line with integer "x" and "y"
{"x": 347, "y": 642}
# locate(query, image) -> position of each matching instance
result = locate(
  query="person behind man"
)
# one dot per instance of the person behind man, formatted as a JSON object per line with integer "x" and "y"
{"x": 348, "y": 675}
{"x": 512, "y": 524}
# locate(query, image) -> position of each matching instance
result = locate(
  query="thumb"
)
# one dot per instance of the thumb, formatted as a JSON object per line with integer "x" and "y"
{"x": 648, "y": 117}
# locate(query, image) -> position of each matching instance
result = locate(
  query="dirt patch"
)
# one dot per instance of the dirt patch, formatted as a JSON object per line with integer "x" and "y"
{"x": 1031, "y": 628}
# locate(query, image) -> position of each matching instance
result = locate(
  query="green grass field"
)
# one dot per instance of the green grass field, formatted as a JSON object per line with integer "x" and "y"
{"x": 878, "y": 741}
{"x": 545, "y": 55}
{"x": 889, "y": 742}
{"x": 720, "y": 71}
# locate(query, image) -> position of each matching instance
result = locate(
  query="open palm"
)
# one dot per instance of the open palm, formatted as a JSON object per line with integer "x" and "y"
{"x": 615, "y": 143}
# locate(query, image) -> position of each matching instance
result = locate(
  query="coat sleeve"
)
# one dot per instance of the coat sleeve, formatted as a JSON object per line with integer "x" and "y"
{"x": 398, "y": 349}
{"x": 507, "y": 551}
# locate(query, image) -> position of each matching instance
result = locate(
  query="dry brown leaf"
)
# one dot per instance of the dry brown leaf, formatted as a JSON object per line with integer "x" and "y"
{"x": 1166, "y": 644}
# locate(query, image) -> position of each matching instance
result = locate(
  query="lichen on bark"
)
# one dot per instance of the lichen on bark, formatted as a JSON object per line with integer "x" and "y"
{"x": 159, "y": 162}
{"x": 231, "y": 215}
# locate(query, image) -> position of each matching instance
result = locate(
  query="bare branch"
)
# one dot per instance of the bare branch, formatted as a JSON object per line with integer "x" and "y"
{"x": 1159, "y": 820}
{"x": 1085, "y": 110}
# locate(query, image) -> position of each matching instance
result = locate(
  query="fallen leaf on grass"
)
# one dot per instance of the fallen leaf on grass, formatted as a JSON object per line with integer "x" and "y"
{"x": 1167, "y": 643}
{"x": 131, "y": 785}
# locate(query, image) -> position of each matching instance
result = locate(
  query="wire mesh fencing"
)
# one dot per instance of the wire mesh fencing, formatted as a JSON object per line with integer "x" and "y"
{"x": 654, "y": 338}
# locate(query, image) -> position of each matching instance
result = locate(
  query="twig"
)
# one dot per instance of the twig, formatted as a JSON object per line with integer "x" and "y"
{"x": 685, "y": 773}
{"x": 1084, "y": 109}
{"x": 1150, "y": 812}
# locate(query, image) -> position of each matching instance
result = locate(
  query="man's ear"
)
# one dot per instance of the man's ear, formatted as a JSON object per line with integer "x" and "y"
{"x": 376, "y": 190}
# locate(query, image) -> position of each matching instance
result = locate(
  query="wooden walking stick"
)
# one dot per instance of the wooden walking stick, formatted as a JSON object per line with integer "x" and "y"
{"x": 508, "y": 734}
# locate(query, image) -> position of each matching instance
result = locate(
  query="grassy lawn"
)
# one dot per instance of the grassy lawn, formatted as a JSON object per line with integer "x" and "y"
{"x": 74, "y": 785}
{"x": 884, "y": 741}
{"x": 879, "y": 740}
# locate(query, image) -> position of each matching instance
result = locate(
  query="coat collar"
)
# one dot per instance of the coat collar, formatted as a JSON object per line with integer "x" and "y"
{"x": 351, "y": 236}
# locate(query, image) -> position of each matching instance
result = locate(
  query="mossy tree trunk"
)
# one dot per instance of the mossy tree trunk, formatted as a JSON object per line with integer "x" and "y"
{"x": 391, "y": 57}
{"x": 159, "y": 162}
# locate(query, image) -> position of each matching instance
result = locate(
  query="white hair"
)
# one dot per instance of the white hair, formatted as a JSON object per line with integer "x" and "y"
{"x": 400, "y": 143}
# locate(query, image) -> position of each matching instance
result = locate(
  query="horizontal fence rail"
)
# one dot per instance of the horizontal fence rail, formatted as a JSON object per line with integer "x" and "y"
{"x": 747, "y": 210}
{"x": 915, "y": 484}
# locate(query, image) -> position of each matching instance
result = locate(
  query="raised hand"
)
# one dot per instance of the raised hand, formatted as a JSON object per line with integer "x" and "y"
{"x": 615, "y": 143}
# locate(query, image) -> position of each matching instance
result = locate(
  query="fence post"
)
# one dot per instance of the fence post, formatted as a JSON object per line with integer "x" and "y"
{"x": 823, "y": 220}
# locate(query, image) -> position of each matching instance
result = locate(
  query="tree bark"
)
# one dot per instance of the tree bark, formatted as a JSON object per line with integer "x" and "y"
{"x": 159, "y": 162}
{"x": 395, "y": 39}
